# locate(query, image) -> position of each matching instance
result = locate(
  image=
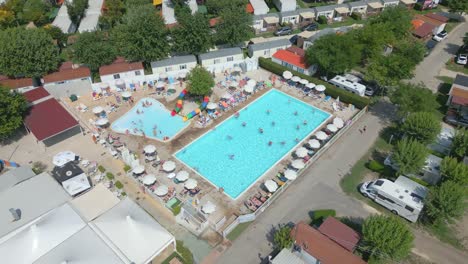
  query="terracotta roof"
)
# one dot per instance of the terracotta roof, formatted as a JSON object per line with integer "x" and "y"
{"x": 429, "y": 20}
{"x": 459, "y": 101}
{"x": 437, "y": 17}
{"x": 249, "y": 8}
{"x": 17, "y": 83}
{"x": 417, "y": 23}
{"x": 459, "y": 92}
{"x": 291, "y": 58}
{"x": 66, "y": 72}
{"x": 48, "y": 119}
{"x": 424, "y": 30}
{"x": 120, "y": 65}
{"x": 321, "y": 247}
{"x": 340, "y": 233}
{"x": 36, "y": 94}
{"x": 214, "y": 21}
{"x": 296, "y": 50}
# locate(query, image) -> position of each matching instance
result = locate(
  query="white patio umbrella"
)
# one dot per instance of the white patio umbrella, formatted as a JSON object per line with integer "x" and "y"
{"x": 298, "y": 164}
{"x": 211, "y": 106}
{"x": 287, "y": 75}
{"x": 304, "y": 81}
{"x": 310, "y": 85}
{"x": 236, "y": 69}
{"x": 139, "y": 169}
{"x": 182, "y": 176}
{"x": 149, "y": 179}
{"x": 321, "y": 135}
{"x": 338, "y": 122}
{"x": 209, "y": 208}
{"x": 320, "y": 88}
{"x": 98, "y": 110}
{"x": 162, "y": 75}
{"x": 191, "y": 184}
{"x": 313, "y": 143}
{"x": 290, "y": 174}
{"x": 102, "y": 121}
{"x": 248, "y": 89}
{"x": 301, "y": 152}
{"x": 233, "y": 84}
{"x": 295, "y": 78}
{"x": 168, "y": 166}
{"x": 149, "y": 149}
{"x": 161, "y": 190}
{"x": 160, "y": 85}
{"x": 226, "y": 96}
{"x": 251, "y": 82}
{"x": 104, "y": 85}
{"x": 63, "y": 157}
{"x": 271, "y": 185}
{"x": 182, "y": 75}
{"x": 126, "y": 94}
{"x": 332, "y": 128}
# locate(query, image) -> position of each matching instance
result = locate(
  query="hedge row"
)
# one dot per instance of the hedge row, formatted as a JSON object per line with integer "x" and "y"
{"x": 345, "y": 96}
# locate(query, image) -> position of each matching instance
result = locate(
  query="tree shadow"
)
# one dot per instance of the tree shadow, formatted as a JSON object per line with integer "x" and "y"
{"x": 17, "y": 136}
{"x": 451, "y": 49}
{"x": 354, "y": 223}
{"x": 384, "y": 110}
{"x": 270, "y": 235}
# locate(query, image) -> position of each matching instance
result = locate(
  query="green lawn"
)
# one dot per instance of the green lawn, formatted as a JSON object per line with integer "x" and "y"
{"x": 435, "y": 10}
{"x": 445, "y": 233}
{"x": 347, "y": 22}
{"x": 235, "y": 233}
{"x": 450, "y": 26}
{"x": 452, "y": 66}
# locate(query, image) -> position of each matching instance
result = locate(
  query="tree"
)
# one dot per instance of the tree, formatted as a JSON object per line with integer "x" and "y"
{"x": 112, "y": 15}
{"x": 200, "y": 81}
{"x": 137, "y": 3}
{"x": 57, "y": 34}
{"x": 458, "y": 6}
{"x": 396, "y": 20}
{"x": 335, "y": 54}
{"x": 409, "y": 156}
{"x": 421, "y": 126}
{"x": 386, "y": 237}
{"x": 13, "y": 107}
{"x": 7, "y": 18}
{"x": 235, "y": 25}
{"x": 76, "y": 9}
{"x": 374, "y": 38}
{"x": 460, "y": 143}
{"x": 214, "y": 7}
{"x": 93, "y": 49}
{"x": 455, "y": 171}
{"x": 35, "y": 11}
{"x": 445, "y": 202}
{"x": 142, "y": 36}
{"x": 29, "y": 53}
{"x": 412, "y": 98}
{"x": 193, "y": 35}
{"x": 282, "y": 237}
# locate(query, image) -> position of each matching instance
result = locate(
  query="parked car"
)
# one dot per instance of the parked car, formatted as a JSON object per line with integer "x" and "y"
{"x": 283, "y": 31}
{"x": 430, "y": 45}
{"x": 310, "y": 27}
{"x": 462, "y": 59}
{"x": 371, "y": 87}
{"x": 293, "y": 39}
{"x": 441, "y": 36}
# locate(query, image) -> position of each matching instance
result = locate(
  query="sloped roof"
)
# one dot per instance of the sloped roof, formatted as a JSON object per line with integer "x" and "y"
{"x": 119, "y": 66}
{"x": 437, "y": 17}
{"x": 220, "y": 53}
{"x": 340, "y": 233}
{"x": 16, "y": 83}
{"x": 461, "y": 93}
{"x": 424, "y": 30}
{"x": 429, "y": 20}
{"x": 95, "y": 202}
{"x": 36, "y": 94}
{"x": 291, "y": 58}
{"x": 67, "y": 74}
{"x": 15, "y": 176}
{"x": 270, "y": 44}
{"x": 176, "y": 60}
{"x": 357, "y": 3}
{"x": 461, "y": 80}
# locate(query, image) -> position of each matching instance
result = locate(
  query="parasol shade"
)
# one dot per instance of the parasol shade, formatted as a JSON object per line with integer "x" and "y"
{"x": 290, "y": 174}
{"x": 338, "y": 122}
{"x": 315, "y": 144}
{"x": 149, "y": 179}
{"x": 182, "y": 176}
{"x": 321, "y": 135}
{"x": 301, "y": 152}
{"x": 271, "y": 185}
{"x": 320, "y": 88}
{"x": 161, "y": 190}
{"x": 191, "y": 184}
{"x": 287, "y": 75}
{"x": 298, "y": 164}
{"x": 332, "y": 128}
{"x": 169, "y": 166}
{"x": 149, "y": 149}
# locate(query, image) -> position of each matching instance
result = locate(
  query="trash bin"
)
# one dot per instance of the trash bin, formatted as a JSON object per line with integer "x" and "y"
{"x": 73, "y": 97}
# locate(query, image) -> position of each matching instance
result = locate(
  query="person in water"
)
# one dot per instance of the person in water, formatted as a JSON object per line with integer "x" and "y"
{"x": 260, "y": 130}
{"x": 273, "y": 123}
{"x": 268, "y": 111}
{"x": 297, "y": 140}
{"x": 270, "y": 143}
{"x": 236, "y": 115}
{"x": 298, "y": 127}
{"x": 295, "y": 113}
{"x": 305, "y": 122}
{"x": 229, "y": 137}
{"x": 231, "y": 156}
{"x": 283, "y": 143}
{"x": 244, "y": 124}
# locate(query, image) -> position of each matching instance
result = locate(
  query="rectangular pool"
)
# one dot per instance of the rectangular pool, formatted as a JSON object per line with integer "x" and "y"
{"x": 234, "y": 154}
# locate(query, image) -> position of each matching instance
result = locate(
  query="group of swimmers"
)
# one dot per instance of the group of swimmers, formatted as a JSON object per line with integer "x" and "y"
{"x": 146, "y": 103}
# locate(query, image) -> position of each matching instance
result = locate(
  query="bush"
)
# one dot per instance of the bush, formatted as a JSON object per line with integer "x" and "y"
{"x": 318, "y": 216}
{"x": 420, "y": 181}
{"x": 375, "y": 166}
{"x": 356, "y": 16}
{"x": 282, "y": 237}
{"x": 38, "y": 167}
{"x": 124, "y": 194}
{"x": 322, "y": 20}
{"x": 118, "y": 185}
{"x": 345, "y": 96}
{"x": 101, "y": 169}
{"x": 110, "y": 176}
{"x": 418, "y": 6}
{"x": 184, "y": 252}
{"x": 126, "y": 168}
{"x": 176, "y": 209}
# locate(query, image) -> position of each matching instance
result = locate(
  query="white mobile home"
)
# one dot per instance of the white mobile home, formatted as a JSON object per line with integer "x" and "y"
{"x": 348, "y": 84}
{"x": 289, "y": 17}
{"x": 267, "y": 49}
{"x": 91, "y": 19}
{"x": 174, "y": 66}
{"x": 390, "y": 3}
{"x": 63, "y": 21}
{"x": 259, "y": 7}
{"x": 326, "y": 11}
{"x": 358, "y": 7}
{"x": 120, "y": 69}
{"x": 266, "y": 22}
{"x": 285, "y": 5}
{"x": 69, "y": 79}
{"x": 221, "y": 60}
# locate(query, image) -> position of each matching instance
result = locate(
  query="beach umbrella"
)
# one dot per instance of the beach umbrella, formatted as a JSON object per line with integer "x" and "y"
{"x": 126, "y": 94}
{"x": 102, "y": 121}
{"x": 251, "y": 82}
{"x": 248, "y": 89}
{"x": 211, "y": 106}
{"x": 271, "y": 185}
{"x": 313, "y": 143}
{"x": 295, "y": 78}
{"x": 301, "y": 152}
{"x": 149, "y": 179}
{"x": 290, "y": 174}
{"x": 182, "y": 75}
{"x": 182, "y": 176}
{"x": 298, "y": 164}
{"x": 233, "y": 84}
{"x": 162, "y": 75}
{"x": 236, "y": 69}
{"x": 168, "y": 166}
{"x": 98, "y": 110}
{"x": 310, "y": 85}
{"x": 209, "y": 208}
{"x": 226, "y": 96}
{"x": 138, "y": 169}
{"x": 321, "y": 135}
{"x": 320, "y": 88}
{"x": 161, "y": 190}
{"x": 63, "y": 157}
{"x": 149, "y": 149}
{"x": 160, "y": 85}
{"x": 191, "y": 184}
{"x": 287, "y": 75}
{"x": 304, "y": 81}
{"x": 338, "y": 122}
{"x": 332, "y": 128}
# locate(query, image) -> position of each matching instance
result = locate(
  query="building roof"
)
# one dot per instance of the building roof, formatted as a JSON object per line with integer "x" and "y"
{"x": 220, "y": 53}
{"x": 414, "y": 187}
{"x": 260, "y": 17}
{"x": 89, "y": 23}
{"x": 34, "y": 197}
{"x": 461, "y": 80}
{"x": 123, "y": 225}
{"x": 66, "y": 172}
{"x": 461, "y": 93}
{"x": 48, "y": 119}
{"x": 296, "y": 50}
{"x": 437, "y": 17}
{"x": 95, "y": 202}
{"x": 417, "y": 23}
{"x": 375, "y": 4}
{"x": 65, "y": 74}
{"x": 340, "y": 233}
{"x": 357, "y": 3}
{"x": 15, "y": 176}
{"x": 16, "y": 83}
{"x": 270, "y": 44}
{"x": 291, "y": 58}
{"x": 319, "y": 9}
{"x": 459, "y": 100}
{"x": 424, "y": 30}
{"x": 321, "y": 247}
{"x": 249, "y": 8}
{"x": 176, "y": 60}
{"x": 258, "y": 4}
{"x": 408, "y": 2}
{"x": 287, "y": 257}
{"x": 289, "y": 13}
{"x": 36, "y": 94}
{"x": 390, "y": 1}
{"x": 62, "y": 20}
{"x": 119, "y": 66}
{"x": 429, "y": 20}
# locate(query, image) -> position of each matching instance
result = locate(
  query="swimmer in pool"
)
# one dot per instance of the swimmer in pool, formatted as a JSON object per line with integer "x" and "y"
{"x": 273, "y": 123}
{"x": 270, "y": 143}
{"x": 283, "y": 143}
{"x": 295, "y": 113}
{"x": 260, "y": 130}
{"x": 231, "y": 156}
{"x": 244, "y": 124}
{"x": 268, "y": 111}
{"x": 298, "y": 127}
{"x": 305, "y": 122}
{"x": 229, "y": 137}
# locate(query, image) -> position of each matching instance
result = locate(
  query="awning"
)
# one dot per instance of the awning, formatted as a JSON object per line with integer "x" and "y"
{"x": 271, "y": 20}
{"x": 307, "y": 15}
{"x": 375, "y": 5}
{"x": 342, "y": 10}
{"x": 408, "y": 2}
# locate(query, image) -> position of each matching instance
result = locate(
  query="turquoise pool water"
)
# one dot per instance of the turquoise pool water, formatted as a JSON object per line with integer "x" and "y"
{"x": 155, "y": 121}
{"x": 233, "y": 156}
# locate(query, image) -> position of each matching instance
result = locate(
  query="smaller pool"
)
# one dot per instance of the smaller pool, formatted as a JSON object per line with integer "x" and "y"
{"x": 153, "y": 121}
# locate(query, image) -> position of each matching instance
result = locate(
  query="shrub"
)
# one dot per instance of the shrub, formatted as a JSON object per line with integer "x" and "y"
{"x": 176, "y": 209}
{"x": 356, "y": 16}
{"x": 110, "y": 176}
{"x": 420, "y": 181}
{"x": 124, "y": 194}
{"x": 282, "y": 237}
{"x": 184, "y": 252}
{"x": 322, "y": 20}
{"x": 345, "y": 96}
{"x": 318, "y": 216}
{"x": 418, "y": 6}
{"x": 126, "y": 168}
{"x": 118, "y": 185}
{"x": 375, "y": 166}
{"x": 101, "y": 169}
{"x": 38, "y": 167}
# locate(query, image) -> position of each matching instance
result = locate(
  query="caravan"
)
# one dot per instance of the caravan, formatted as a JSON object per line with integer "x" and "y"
{"x": 349, "y": 83}
{"x": 403, "y": 197}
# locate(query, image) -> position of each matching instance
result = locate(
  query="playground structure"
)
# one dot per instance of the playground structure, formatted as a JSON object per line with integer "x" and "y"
{"x": 197, "y": 111}
{"x": 179, "y": 103}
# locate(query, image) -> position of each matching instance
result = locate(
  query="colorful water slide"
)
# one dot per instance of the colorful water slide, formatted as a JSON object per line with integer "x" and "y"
{"x": 179, "y": 103}
{"x": 197, "y": 111}
{"x": 6, "y": 163}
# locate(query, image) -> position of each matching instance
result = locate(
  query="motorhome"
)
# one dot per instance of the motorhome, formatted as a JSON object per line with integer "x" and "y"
{"x": 349, "y": 83}
{"x": 403, "y": 197}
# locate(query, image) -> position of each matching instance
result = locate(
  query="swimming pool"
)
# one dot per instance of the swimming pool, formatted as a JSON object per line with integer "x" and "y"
{"x": 155, "y": 121}
{"x": 234, "y": 156}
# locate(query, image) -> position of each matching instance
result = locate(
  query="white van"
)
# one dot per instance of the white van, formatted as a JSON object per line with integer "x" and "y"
{"x": 349, "y": 83}
{"x": 403, "y": 197}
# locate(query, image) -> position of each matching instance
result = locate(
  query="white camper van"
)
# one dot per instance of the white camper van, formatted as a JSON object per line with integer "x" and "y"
{"x": 403, "y": 197}
{"x": 349, "y": 83}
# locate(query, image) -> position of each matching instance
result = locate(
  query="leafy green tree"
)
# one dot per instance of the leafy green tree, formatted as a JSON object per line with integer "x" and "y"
{"x": 29, "y": 53}
{"x": 387, "y": 237}
{"x": 413, "y": 51}
{"x": 13, "y": 107}
{"x": 193, "y": 35}
{"x": 465, "y": 39}
{"x": 35, "y": 11}
{"x": 112, "y": 15}
{"x": 458, "y": 6}
{"x": 214, "y": 7}
{"x": 136, "y": 3}
{"x": 7, "y": 18}
{"x": 76, "y": 9}
{"x": 409, "y": 156}
{"x": 396, "y": 20}
{"x": 389, "y": 70}
{"x": 421, "y": 126}
{"x": 235, "y": 25}
{"x": 282, "y": 237}
{"x": 93, "y": 49}
{"x": 445, "y": 202}
{"x": 374, "y": 38}
{"x": 57, "y": 34}
{"x": 412, "y": 98}
{"x": 335, "y": 54}
{"x": 142, "y": 36}
{"x": 200, "y": 81}
{"x": 455, "y": 171}
{"x": 460, "y": 143}
{"x": 179, "y": 2}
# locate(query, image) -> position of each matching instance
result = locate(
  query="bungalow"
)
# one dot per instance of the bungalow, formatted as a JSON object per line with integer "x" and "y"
{"x": 390, "y": 3}
{"x": 293, "y": 61}
{"x": 326, "y": 11}
{"x": 285, "y": 5}
{"x": 267, "y": 49}
{"x": 220, "y": 60}
{"x": 439, "y": 22}
{"x": 289, "y": 17}
{"x": 174, "y": 66}
{"x": 268, "y": 22}
{"x": 422, "y": 29}
{"x": 341, "y": 11}
{"x": 69, "y": 79}
{"x": 121, "y": 69}
{"x": 306, "y": 16}
{"x": 306, "y": 43}
{"x": 457, "y": 102}
{"x": 358, "y": 7}
{"x": 21, "y": 84}
{"x": 374, "y": 7}
{"x": 259, "y": 7}
{"x": 408, "y": 3}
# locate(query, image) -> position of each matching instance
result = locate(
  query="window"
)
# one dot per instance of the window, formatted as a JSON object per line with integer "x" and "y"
{"x": 137, "y": 73}
{"x": 409, "y": 208}
{"x": 266, "y": 52}
{"x": 168, "y": 69}
{"x": 116, "y": 76}
{"x": 379, "y": 182}
{"x": 183, "y": 67}
{"x": 216, "y": 61}
{"x": 300, "y": 70}
{"x": 230, "y": 58}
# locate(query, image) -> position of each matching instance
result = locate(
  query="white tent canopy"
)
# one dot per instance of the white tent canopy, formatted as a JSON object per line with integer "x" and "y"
{"x": 320, "y": 88}
{"x": 209, "y": 208}
{"x": 168, "y": 166}
{"x": 298, "y": 164}
{"x": 295, "y": 78}
{"x": 211, "y": 106}
{"x": 271, "y": 186}
{"x": 149, "y": 149}
{"x": 304, "y": 81}
{"x": 287, "y": 75}
{"x": 313, "y": 143}
{"x": 332, "y": 128}
{"x": 248, "y": 89}
{"x": 102, "y": 121}
{"x": 138, "y": 169}
{"x": 182, "y": 176}
{"x": 126, "y": 94}
{"x": 338, "y": 122}
{"x": 98, "y": 109}
{"x": 161, "y": 190}
{"x": 63, "y": 157}
{"x": 310, "y": 85}
{"x": 251, "y": 82}
{"x": 290, "y": 174}
{"x": 191, "y": 184}
{"x": 321, "y": 135}
{"x": 149, "y": 179}
{"x": 301, "y": 152}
